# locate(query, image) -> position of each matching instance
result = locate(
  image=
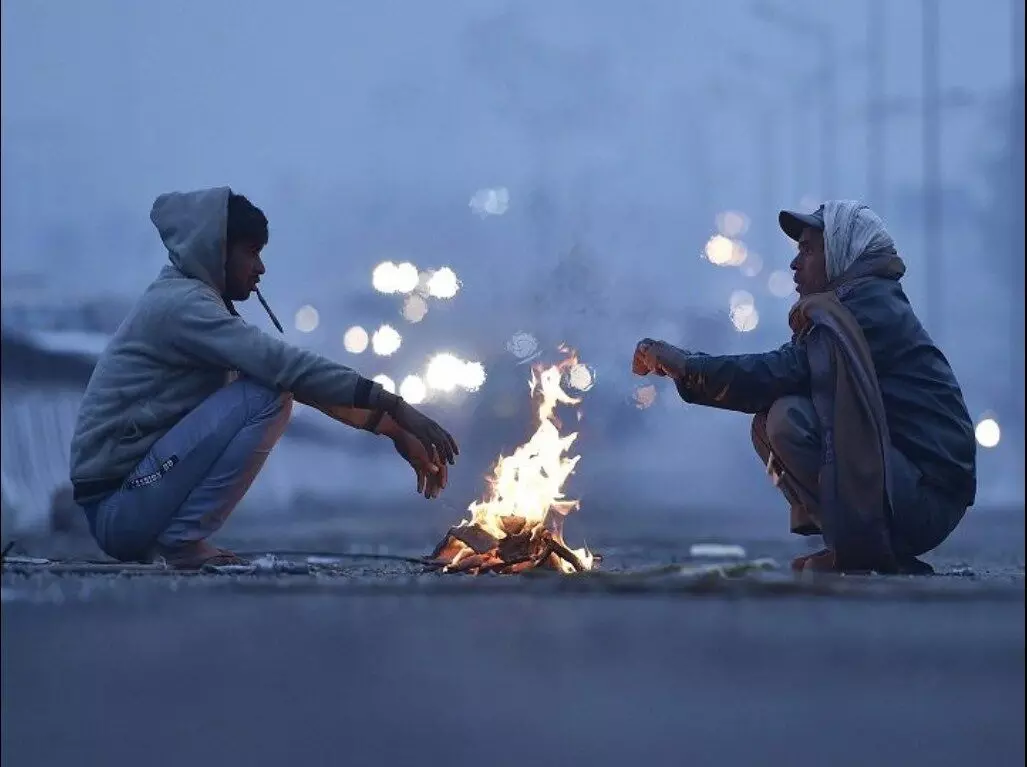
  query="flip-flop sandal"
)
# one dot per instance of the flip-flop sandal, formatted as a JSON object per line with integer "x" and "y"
{"x": 799, "y": 563}
{"x": 218, "y": 558}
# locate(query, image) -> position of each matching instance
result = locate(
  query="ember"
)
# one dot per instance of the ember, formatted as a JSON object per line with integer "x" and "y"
{"x": 520, "y": 524}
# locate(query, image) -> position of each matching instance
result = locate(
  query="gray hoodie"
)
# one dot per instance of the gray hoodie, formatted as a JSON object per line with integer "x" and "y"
{"x": 177, "y": 347}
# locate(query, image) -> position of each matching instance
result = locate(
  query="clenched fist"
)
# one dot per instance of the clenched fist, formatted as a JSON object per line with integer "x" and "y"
{"x": 642, "y": 361}
{"x": 657, "y": 357}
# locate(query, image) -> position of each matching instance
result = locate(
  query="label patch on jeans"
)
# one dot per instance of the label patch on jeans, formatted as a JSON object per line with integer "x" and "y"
{"x": 149, "y": 479}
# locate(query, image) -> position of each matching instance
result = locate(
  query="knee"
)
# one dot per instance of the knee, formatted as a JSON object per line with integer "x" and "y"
{"x": 790, "y": 421}
{"x": 283, "y": 403}
{"x": 279, "y": 410}
{"x": 263, "y": 399}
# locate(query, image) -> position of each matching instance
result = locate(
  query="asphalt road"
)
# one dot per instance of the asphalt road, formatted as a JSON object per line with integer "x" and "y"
{"x": 379, "y": 665}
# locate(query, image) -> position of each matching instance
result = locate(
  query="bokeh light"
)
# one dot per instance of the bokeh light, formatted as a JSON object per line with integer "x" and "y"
{"x": 405, "y": 277}
{"x": 719, "y": 250}
{"x": 781, "y": 283}
{"x": 490, "y": 202}
{"x": 581, "y": 377}
{"x": 644, "y": 396}
{"x": 732, "y": 223}
{"x": 385, "y": 277}
{"x": 739, "y": 254}
{"x": 386, "y": 340}
{"x": 444, "y": 371}
{"x": 355, "y": 340}
{"x": 414, "y": 308}
{"x": 522, "y": 345}
{"x": 443, "y": 283}
{"x": 413, "y": 390}
{"x": 307, "y": 319}
{"x": 988, "y": 432}
{"x": 741, "y": 298}
{"x": 386, "y": 383}
{"x": 745, "y": 318}
{"x": 753, "y": 265}
{"x": 472, "y": 377}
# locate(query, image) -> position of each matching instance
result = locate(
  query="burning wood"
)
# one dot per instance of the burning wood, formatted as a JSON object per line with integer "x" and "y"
{"x": 519, "y": 526}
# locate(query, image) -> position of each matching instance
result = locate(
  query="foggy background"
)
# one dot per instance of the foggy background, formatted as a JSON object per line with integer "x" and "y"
{"x": 570, "y": 161}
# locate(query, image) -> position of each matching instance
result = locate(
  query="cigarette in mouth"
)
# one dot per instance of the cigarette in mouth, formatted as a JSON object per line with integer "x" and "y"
{"x": 267, "y": 309}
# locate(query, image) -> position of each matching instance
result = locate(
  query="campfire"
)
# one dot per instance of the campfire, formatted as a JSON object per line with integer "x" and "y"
{"x": 519, "y": 526}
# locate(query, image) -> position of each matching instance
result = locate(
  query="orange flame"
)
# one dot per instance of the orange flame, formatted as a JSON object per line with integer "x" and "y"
{"x": 529, "y": 482}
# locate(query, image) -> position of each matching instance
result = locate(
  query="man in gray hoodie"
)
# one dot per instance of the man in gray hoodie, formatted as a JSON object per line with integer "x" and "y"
{"x": 187, "y": 400}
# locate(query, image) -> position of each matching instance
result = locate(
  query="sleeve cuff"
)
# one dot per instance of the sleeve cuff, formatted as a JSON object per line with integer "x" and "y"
{"x": 371, "y": 396}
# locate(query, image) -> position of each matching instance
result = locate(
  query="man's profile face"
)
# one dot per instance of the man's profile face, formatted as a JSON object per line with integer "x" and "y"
{"x": 243, "y": 267}
{"x": 810, "y": 263}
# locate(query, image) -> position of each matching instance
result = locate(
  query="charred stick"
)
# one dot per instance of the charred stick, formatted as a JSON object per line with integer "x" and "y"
{"x": 520, "y": 567}
{"x": 546, "y": 553}
{"x": 567, "y": 555}
{"x": 468, "y": 563}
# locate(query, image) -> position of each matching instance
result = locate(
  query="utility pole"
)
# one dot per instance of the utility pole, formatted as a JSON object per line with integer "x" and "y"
{"x": 1017, "y": 255}
{"x": 931, "y": 117}
{"x": 876, "y": 67}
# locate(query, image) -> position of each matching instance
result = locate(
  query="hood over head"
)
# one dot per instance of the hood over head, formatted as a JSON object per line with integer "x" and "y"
{"x": 193, "y": 226}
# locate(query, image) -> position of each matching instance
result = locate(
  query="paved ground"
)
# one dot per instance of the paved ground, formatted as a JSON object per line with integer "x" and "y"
{"x": 381, "y": 665}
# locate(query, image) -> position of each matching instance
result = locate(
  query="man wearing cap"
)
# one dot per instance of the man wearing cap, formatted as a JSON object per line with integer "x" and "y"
{"x": 859, "y": 418}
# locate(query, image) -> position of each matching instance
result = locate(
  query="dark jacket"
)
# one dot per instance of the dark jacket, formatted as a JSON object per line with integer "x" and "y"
{"x": 927, "y": 417}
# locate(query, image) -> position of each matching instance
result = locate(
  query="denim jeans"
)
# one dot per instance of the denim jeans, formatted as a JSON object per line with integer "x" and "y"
{"x": 185, "y": 488}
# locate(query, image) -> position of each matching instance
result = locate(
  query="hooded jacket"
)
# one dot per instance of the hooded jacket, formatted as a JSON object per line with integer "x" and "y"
{"x": 178, "y": 346}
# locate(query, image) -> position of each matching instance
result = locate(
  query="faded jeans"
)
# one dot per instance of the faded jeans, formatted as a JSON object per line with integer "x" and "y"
{"x": 921, "y": 518}
{"x": 195, "y": 475}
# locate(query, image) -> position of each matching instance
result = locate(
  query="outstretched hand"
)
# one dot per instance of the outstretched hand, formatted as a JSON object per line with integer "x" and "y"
{"x": 659, "y": 358}
{"x": 435, "y": 440}
{"x": 431, "y": 471}
{"x": 647, "y": 358}
{"x": 641, "y": 362}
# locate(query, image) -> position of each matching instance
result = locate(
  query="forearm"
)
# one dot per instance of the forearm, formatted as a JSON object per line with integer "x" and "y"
{"x": 671, "y": 360}
{"x": 747, "y": 383}
{"x": 359, "y": 418}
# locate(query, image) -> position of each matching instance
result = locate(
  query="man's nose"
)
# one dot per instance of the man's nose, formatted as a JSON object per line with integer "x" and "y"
{"x": 794, "y": 266}
{"x": 260, "y": 266}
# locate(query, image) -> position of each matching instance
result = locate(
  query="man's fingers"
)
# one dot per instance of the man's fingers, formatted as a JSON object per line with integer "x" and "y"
{"x": 449, "y": 446}
{"x": 438, "y": 442}
{"x": 426, "y": 441}
{"x": 444, "y": 444}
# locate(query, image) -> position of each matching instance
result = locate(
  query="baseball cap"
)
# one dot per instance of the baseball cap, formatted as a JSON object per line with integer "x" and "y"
{"x": 793, "y": 223}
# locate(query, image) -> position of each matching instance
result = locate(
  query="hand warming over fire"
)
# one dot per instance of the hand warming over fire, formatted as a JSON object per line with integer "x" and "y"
{"x": 428, "y": 464}
{"x": 433, "y": 437}
{"x": 432, "y": 472}
{"x": 658, "y": 357}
